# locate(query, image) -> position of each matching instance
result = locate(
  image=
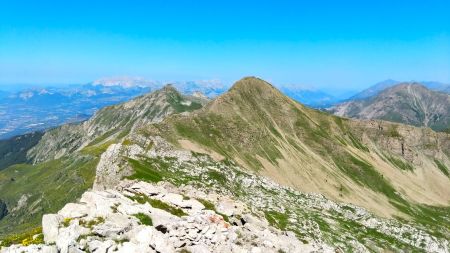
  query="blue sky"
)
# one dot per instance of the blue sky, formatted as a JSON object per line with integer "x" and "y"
{"x": 325, "y": 44}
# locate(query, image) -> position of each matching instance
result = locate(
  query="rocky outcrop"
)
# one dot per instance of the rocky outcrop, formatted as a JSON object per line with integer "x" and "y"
{"x": 142, "y": 217}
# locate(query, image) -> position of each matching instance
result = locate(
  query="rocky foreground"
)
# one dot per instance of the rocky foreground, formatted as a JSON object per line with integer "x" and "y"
{"x": 142, "y": 217}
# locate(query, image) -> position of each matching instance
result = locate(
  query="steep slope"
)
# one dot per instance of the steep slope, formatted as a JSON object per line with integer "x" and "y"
{"x": 265, "y": 131}
{"x": 408, "y": 103}
{"x": 14, "y": 150}
{"x": 112, "y": 122}
{"x": 65, "y": 158}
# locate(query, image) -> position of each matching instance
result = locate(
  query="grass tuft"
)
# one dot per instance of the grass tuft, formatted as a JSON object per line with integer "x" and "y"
{"x": 144, "y": 219}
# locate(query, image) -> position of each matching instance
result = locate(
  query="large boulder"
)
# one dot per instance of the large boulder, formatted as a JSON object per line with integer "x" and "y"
{"x": 50, "y": 227}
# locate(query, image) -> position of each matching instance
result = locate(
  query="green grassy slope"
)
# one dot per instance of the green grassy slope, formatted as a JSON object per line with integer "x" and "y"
{"x": 46, "y": 187}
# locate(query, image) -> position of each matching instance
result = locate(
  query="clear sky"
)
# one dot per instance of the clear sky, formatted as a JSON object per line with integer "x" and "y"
{"x": 325, "y": 44}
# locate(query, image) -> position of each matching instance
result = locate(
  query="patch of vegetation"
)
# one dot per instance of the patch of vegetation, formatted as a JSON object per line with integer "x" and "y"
{"x": 277, "y": 219}
{"x": 144, "y": 219}
{"x": 123, "y": 133}
{"x": 177, "y": 101}
{"x": 399, "y": 163}
{"x": 210, "y": 206}
{"x": 115, "y": 207}
{"x": 217, "y": 176}
{"x": 392, "y": 131}
{"x": 91, "y": 223}
{"x": 232, "y": 136}
{"x": 121, "y": 241}
{"x": 365, "y": 174}
{"x": 156, "y": 203}
{"x": 127, "y": 142}
{"x": 148, "y": 170}
{"x": 103, "y": 137}
{"x": 436, "y": 220}
{"x": 363, "y": 233}
{"x": 66, "y": 222}
{"x": 442, "y": 167}
{"x": 33, "y": 236}
{"x": 98, "y": 149}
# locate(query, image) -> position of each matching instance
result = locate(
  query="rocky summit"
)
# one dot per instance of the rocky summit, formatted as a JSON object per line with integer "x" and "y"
{"x": 142, "y": 217}
{"x": 250, "y": 171}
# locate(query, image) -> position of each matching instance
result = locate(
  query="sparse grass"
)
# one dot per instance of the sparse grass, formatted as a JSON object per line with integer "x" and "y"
{"x": 392, "y": 131}
{"x": 365, "y": 174}
{"x": 114, "y": 207}
{"x": 147, "y": 170}
{"x": 156, "y": 203}
{"x": 442, "y": 167}
{"x": 98, "y": 149}
{"x": 276, "y": 219}
{"x": 91, "y": 223}
{"x": 144, "y": 219}
{"x": 217, "y": 176}
{"x": 127, "y": 142}
{"x": 210, "y": 206}
{"x": 121, "y": 241}
{"x": 33, "y": 236}
{"x": 399, "y": 163}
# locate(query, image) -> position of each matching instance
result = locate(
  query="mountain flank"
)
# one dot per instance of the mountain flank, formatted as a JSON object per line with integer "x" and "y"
{"x": 407, "y": 103}
{"x": 267, "y": 132}
{"x": 59, "y": 165}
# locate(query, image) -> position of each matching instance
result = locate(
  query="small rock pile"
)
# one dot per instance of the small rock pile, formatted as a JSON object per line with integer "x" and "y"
{"x": 142, "y": 217}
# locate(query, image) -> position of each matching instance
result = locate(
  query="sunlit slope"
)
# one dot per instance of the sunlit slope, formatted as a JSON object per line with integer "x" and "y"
{"x": 265, "y": 131}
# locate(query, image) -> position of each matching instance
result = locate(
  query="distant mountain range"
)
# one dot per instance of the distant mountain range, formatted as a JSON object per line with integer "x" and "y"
{"x": 28, "y": 109}
{"x": 379, "y": 87}
{"x": 32, "y": 109}
{"x": 408, "y": 103}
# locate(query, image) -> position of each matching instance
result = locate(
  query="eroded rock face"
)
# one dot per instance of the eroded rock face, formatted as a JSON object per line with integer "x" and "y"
{"x": 143, "y": 217}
